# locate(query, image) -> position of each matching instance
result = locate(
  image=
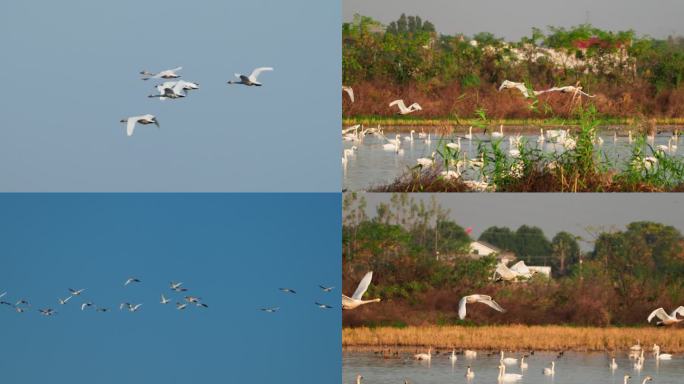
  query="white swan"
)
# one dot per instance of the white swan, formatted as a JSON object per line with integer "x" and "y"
{"x": 64, "y": 301}
{"x": 469, "y": 373}
{"x": 164, "y": 300}
{"x": 403, "y": 110}
{"x": 166, "y": 74}
{"x": 76, "y": 292}
{"x": 613, "y": 365}
{"x": 393, "y": 145}
{"x": 131, "y": 280}
{"x": 358, "y": 379}
{"x": 566, "y": 89}
{"x": 142, "y": 119}
{"x": 508, "y": 360}
{"x": 174, "y": 89}
{"x": 647, "y": 378}
{"x": 427, "y": 162}
{"x": 469, "y": 135}
{"x": 540, "y": 138}
{"x": 250, "y": 80}
{"x": 410, "y": 137}
{"x": 453, "y": 356}
{"x": 523, "y": 364}
{"x": 513, "y": 85}
{"x": 356, "y": 299}
{"x": 476, "y": 298}
{"x": 625, "y": 379}
{"x": 469, "y": 354}
{"x": 507, "y": 377}
{"x": 550, "y": 371}
{"x": 666, "y": 319}
{"x": 424, "y": 356}
{"x": 663, "y": 356}
{"x": 455, "y": 146}
{"x": 500, "y": 133}
{"x": 349, "y": 92}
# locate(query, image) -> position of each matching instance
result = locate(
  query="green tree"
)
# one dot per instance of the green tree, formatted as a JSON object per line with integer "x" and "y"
{"x": 565, "y": 252}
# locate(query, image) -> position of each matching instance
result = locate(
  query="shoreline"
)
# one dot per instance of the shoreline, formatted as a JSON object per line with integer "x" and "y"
{"x": 514, "y": 337}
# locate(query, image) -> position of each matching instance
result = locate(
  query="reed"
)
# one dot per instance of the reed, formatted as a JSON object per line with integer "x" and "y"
{"x": 515, "y": 337}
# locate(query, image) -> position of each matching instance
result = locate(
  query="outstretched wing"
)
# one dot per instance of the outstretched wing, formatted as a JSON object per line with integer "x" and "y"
{"x": 660, "y": 313}
{"x": 256, "y": 72}
{"x": 363, "y": 286}
{"x": 350, "y": 92}
{"x": 491, "y": 303}
{"x": 679, "y": 311}
{"x": 462, "y": 307}
{"x": 130, "y": 125}
{"x": 416, "y": 107}
{"x": 399, "y": 103}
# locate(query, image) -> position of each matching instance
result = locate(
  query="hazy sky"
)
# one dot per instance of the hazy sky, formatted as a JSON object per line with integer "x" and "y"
{"x": 514, "y": 19}
{"x": 554, "y": 212}
{"x": 69, "y": 73}
{"x": 232, "y": 250}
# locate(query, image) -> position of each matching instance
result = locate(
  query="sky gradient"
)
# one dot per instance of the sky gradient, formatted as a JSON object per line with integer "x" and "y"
{"x": 553, "y": 212}
{"x": 514, "y": 19}
{"x": 70, "y": 72}
{"x": 233, "y": 250}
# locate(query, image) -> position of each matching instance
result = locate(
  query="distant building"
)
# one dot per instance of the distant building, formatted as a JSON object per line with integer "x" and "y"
{"x": 480, "y": 249}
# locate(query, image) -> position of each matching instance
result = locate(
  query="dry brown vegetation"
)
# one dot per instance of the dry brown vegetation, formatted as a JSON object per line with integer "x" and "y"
{"x": 515, "y": 337}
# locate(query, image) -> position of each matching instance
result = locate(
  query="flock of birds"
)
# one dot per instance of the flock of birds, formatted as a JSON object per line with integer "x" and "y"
{"x": 181, "y": 297}
{"x": 636, "y": 351}
{"x": 179, "y": 294}
{"x": 176, "y": 89}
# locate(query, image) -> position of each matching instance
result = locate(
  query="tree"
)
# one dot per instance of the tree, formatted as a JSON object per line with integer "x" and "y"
{"x": 565, "y": 252}
{"x": 501, "y": 237}
{"x": 532, "y": 245}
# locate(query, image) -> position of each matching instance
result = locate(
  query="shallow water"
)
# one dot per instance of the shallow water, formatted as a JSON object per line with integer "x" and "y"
{"x": 572, "y": 368}
{"x": 372, "y": 166}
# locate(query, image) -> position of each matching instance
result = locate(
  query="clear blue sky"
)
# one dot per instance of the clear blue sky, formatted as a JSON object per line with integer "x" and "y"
{"x": 233, "y": 250}
{"x": 69, "y": 73}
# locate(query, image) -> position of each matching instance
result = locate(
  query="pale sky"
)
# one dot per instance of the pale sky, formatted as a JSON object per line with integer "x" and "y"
{"x": 514, "y": 19}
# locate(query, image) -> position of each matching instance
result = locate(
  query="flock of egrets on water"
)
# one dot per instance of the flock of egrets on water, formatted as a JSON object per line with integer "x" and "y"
{"x": 636, "y": 352}
{"x": 555, "y": 140}
{"x": 178, "y": 89}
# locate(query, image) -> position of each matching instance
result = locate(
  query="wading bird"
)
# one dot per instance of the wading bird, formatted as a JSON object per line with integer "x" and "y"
{"x": 142, "y": 119}
{"x": 403, "y": 110}
{"x": 476, "y": 298}
{"x": 250, "y": 80}
{"x": 166, "y": 74}
{"x": 356, "y": 299}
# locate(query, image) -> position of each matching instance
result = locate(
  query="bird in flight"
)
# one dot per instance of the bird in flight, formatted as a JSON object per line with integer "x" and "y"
{"x": 326, "y": 289}
{"x": 349, "y": 91}
{"x": 287, "y": 290}
{"x": 86, "y": 305}
{"x": 165, "y": 74}
{"x": 250, "y": 80}
{"x": 181, "y": 306}
{"x": 102, "y": 310}
{"x": 270, "y": 310}
{"x": 164, "y": 300}
{"x": 131, "y": 280}
{"x": 64, "y": 301}
{"x": 142, "y": 119}
{"x": 47, "y": 312}
{"x": 323, "y": 306}
{"x": 356, "y": 299}
{"x": 75, "y": 292}
{"x": 403, "y": 109}
{"x": 470, "y": 299}
{"x": 3, "y": 294}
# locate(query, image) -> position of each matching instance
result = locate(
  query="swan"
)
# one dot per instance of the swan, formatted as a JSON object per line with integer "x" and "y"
{"x": 540, "y": 138}
{"x": 613, "y": 365}
{"x": 86, "y": 305}
{"x": 666, "y": 319}
{"x": 403, "y": 110}
{"x": 614, "y": 137}
{"x": 174, "y": 89}
{"x": 410, "y": 137}
{"x": 656, "y": 349}
{"x": 164, "y": 300}
{"x": 451, "y": 174}
{"x": 181, "y": 306}
{"x": 270, "y": 310}
{"x": 649, "y": 162}
{"x": 500, "y": 133}
{"x": 393, "y": 145}
{"x": 636, "y": 347}
{"x": 629, "y": 137}
{"x": 424, "y": 356}
{"x": 455, "y": 146}
{"x": 142, "y": 119}
{"x": 508, "y": 360}
{"x": 422, "y": 134}
{"x": 428, "y": 140}
{"x": 46, "y": 312}
{"x": 639, "y": 363}
{"x": 476, "y": 298}
{"x": 470, "y": 354}
{"x": 508, "y": 377}
{"x": 166, "y": 74}
{"x": 514, "y": 85}
{"x": 453, "y": 356}
{"x": 326, "y": 289}
{"x": 64, "y": 301}
{"x": 131, "y": 280}
{"x": 250, "y": 80}
{"x": 647, "y": 378}
{"x": 469, "y": 135}
{"x": 356, "y": 299}
{"x": 627, "y": 377}
{"x": 345, "y": 159}
{"x": 286, "y": 290}
{"x": 550, "y": 371}
{"x": 427, "y": 162}
{"x": 76, "y": 292}
{"x": 469, "y": 373}
{"x": 323, "y": 306}
{"x": 478, "y": 186}
{"x": 566, "y": 89}
{"x": 523, "y": 364}
{"x": 349, "y": 91}
{"x": 663, "y": 356}
{"x": 358, "y": 379}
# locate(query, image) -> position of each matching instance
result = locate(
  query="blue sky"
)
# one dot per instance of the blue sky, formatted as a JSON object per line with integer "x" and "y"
{"x": 233, "y": 250}
{"x": 70, "y": 72}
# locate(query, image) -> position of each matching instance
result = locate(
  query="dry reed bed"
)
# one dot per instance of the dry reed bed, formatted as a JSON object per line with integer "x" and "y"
{"x": 515, "y": 337}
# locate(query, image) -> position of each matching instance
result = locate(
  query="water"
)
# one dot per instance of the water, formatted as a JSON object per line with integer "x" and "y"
{"x": 372, "y": 166}
{"x": 572, "y": 368}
